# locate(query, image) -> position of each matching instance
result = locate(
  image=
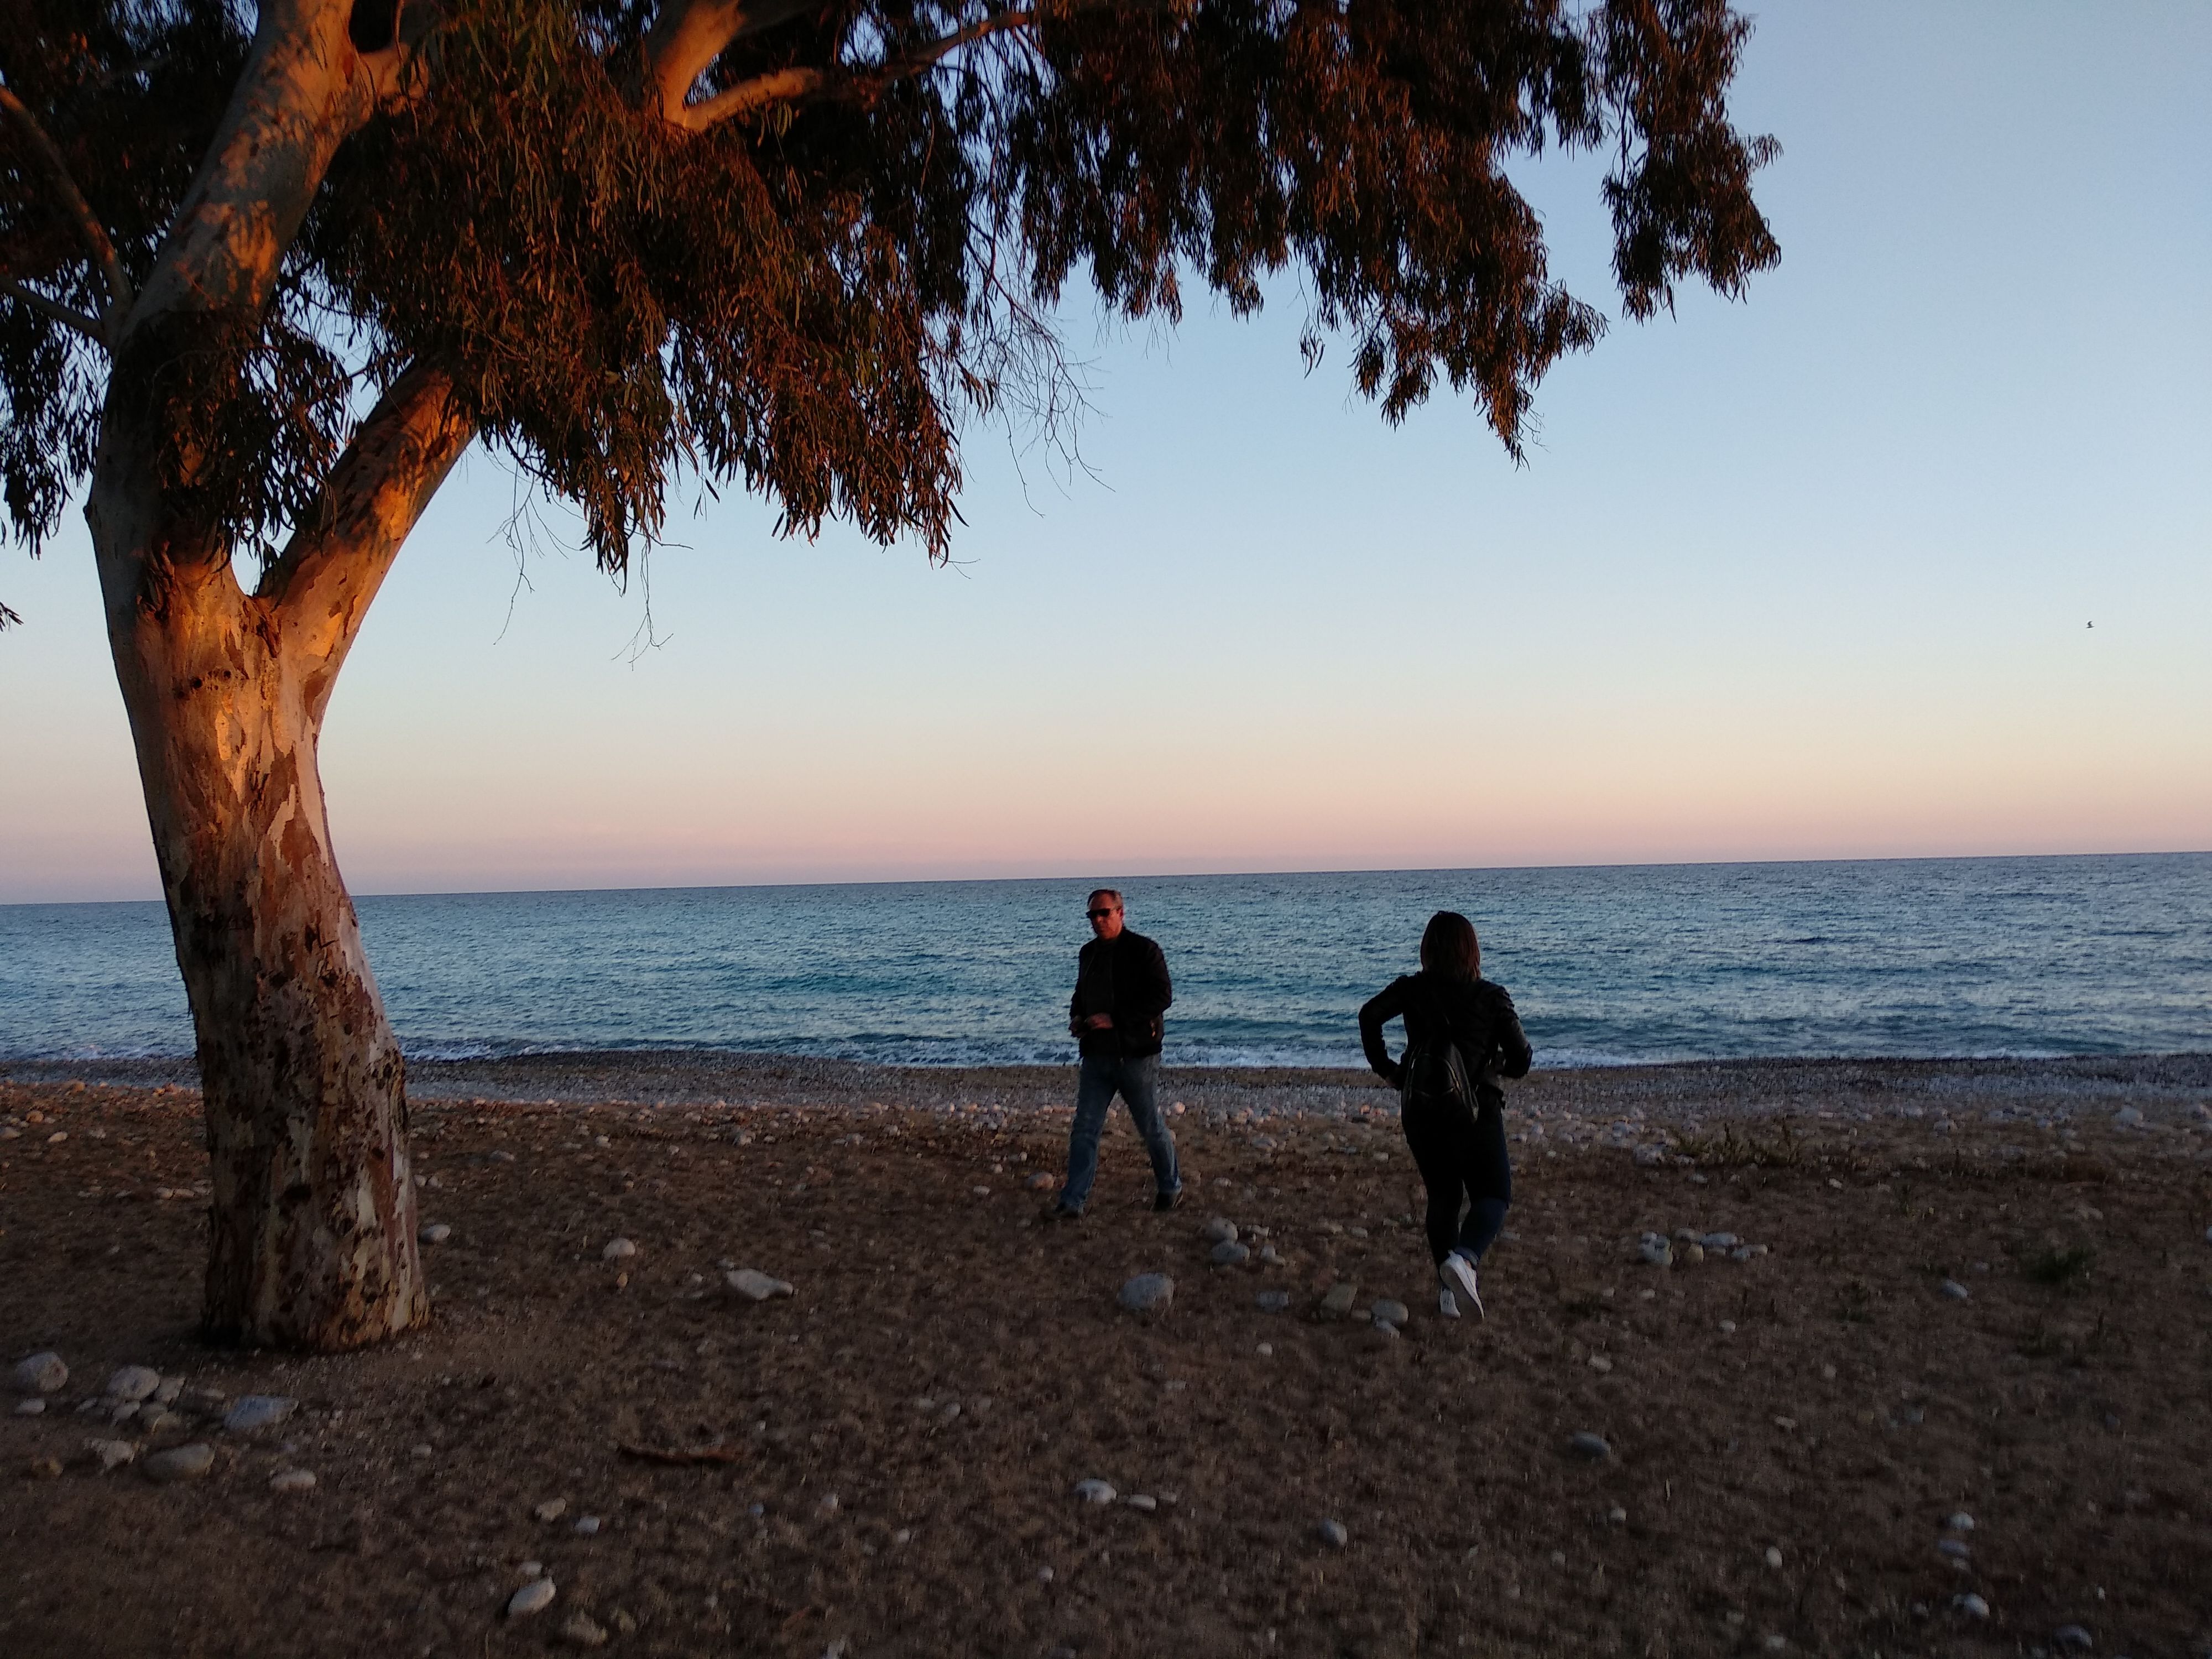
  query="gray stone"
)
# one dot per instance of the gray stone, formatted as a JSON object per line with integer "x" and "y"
{"x": 2073, "y": 1637}
{"x": 1342, "y": 1295}
{"x": 2129, "y": 1117}
{"x": 1142, "y": 1500}
{"x": 181, "y": 1463}
{"x": 1095, "y": 1492}
{"x": 618, "y": 1250}
{"x": 1271, "y": 1256}
{"x": 41, "y": 1373}
{"x": 1389, "y": 1332}
{"x": 110, "y": 1454}
{"x": 1656, "y": 1251}
{"x": 1961, "y": 1521}
{"x": 132, "y": 1384}
{"x": 1388, "y": 1312}
{"x": 1720, "y": 1240}
{"x": 1147, "y": 1293}
{"x": 583, "y": 1631}
{"x": 1219, "y": 1231}
{"x": 436, "y": 1232}
{"x": 1333, "y": 1533}
{"x": 535, "y": 1596}
{"x": 587, "y": 1526}
{"x": 755, "y": 1286}
{"x": 1747, "y": 1252}
{"x": 1773, "y": 1555}
{"x": 258, "y": 1411}
{"x": 30, "y": 1407}
{"x": 1272, "y": 1301}
{"x": 1592, "y": 1446}
{"x": 1972, "y": 1605}
{"x": 1957, "y": 1292}
{"x": 158, "y": 1419}
{"x": 119, "y": 1414}
{"x": 551, "y": 1510}
{"x": 1231, "y": 1254}
{"x": 171, "y": 1388}
{"x": 292, "y": 1480}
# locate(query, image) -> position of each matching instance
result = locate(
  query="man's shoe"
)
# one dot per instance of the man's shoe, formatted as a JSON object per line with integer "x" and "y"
{"x": 1057, "y": 1211}
{"x": 1163, "y": 1202}
{"x": 1457, "y": 1273}
{"x": 1447, "y": 1303}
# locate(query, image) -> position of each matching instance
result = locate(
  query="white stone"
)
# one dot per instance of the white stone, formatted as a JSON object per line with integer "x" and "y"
{"x": 41, "y": 1373}
{"x": 1095, "y": 1492}
{"x": 30, "y": 1407}
{"x": 1972, "y": 1605}
{"x": 292, "y": 1480}
{"x": 1773, "y": 1555}
{"x": 132, "y": 1384}
{"x": 1333, "y": 1533}
{"x": 755, "y": 1286}
{"x": 618, "y": 1250}
{"x": 535, "y": 1596}
{"x": 435, "y": 1232}
{"x": 1957, "y": 1292}
{"x": 1218, "y": 1230}
{"x": 587, "y": 1526}
{"x": 1961, "y": 1521}
{"x": 1147, "y": 1293}
{"x": 1143, "y": 1501}
{"x": 112, "y": 1454}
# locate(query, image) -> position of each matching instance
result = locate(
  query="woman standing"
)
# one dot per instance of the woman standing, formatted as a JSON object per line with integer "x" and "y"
{"x": 1462, "y": 1035}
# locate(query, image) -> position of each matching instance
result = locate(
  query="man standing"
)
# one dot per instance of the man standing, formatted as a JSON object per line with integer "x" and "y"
{"x": 1121, "y": 989}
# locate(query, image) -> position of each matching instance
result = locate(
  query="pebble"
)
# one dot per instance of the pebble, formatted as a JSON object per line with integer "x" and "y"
{"x": 1600, "y": 1365}
{"x": 1041, "y": 1182}
{"x": 171, "y": 1389}
{"x": 755, "y": 1286}
{"x": 1954, "y": 1548}
{"x": 258, "y": 1411}
{"x": 1385, "y": 1327}
{"x": 1231, "y": 1254}
{"x": 1747, "y": 1252}
{"x": 1147, "y": 1293}
{"x": 1333, "y": 1532}
{"x": 45, "y": 1469}
{"x": 1266, "y": 1350}
{"x": 2129, "y": 1117}
{"x": 1095, "y": 1492}
{"x": 1342, "y": 1295}
{"x": 1656, "y": 1251}
{"x": 587, "y": 1526}
{"x": 1142, "y": 1500}
{"x": 1618, "y": 1516}
{"x": 535, "y": 1596}
{"x": 1728, "y": 1327}
{"x": 533, "y": 1569}
{"x": 618, "y": 1250}
{"x": 132, "y": 1384}
{"x": 1219, "y": 1231}
{"x": 1773, "y": 1555}
{"x": 1720, "y": 1240}
{"x": 1592, "y": 1446}
{"x": 1271, "y": 1256}
{"x": 583, "y": 1631}
{"x": 1972, "y": 1605}
{"x": 2073, "y": 1636}
{"x": 1388, "y": 1312}
{"x": 181, "y": 1463}
{"x": 828, "y": 1505}
{"x": 1957, "y": 1292}
{"x": 112, "y": 1454}
{"x": 157, "y": 1419}
{"x": 30, "y": 1408}
{"x": 551, "y": 1510}
{"x": 1266, "y": 1302}
{"x": 1961, "y": 1521}
{"x": 436, "y": 1233}
{"x": 41, "y": 1373}
{"x": 122, "y": 1413}
{"x": 292, "y": 1480}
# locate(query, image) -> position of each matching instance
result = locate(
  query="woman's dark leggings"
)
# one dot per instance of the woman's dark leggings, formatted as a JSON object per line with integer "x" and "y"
{"x": 1462, "y": 1161}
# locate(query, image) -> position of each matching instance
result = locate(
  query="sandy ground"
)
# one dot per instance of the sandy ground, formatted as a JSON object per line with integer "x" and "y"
{"x": 891, "y": 1451}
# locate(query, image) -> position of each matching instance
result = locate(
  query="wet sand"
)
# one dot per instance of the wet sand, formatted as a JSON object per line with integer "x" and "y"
{"x": 950, "y": 1365}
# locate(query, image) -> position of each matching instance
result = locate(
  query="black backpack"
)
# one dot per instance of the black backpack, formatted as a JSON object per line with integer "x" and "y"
{"x": 1433, "y": 1076}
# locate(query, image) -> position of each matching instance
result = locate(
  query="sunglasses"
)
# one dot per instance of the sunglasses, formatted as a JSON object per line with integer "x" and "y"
{"x": 1095, "y": 915}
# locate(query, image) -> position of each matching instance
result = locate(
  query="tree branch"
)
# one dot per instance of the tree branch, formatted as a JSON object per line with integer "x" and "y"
{"x": 689, "y": 34}
{"x": 90, "y": 327}
{"x": 319, "y": 587}
{"x": 72, "y": 202}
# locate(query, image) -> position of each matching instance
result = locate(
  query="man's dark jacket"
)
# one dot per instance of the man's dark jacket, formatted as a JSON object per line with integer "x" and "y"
{"x": 1141, "y": 994}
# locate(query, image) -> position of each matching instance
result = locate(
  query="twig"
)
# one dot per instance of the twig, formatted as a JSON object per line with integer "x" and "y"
{"x": 88, "y": 326}
{"x": 72, "y": 200}
{"x": 680, "y": 1455}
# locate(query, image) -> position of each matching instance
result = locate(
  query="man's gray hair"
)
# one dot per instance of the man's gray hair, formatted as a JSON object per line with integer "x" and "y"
{"x": 1097, "y": 893}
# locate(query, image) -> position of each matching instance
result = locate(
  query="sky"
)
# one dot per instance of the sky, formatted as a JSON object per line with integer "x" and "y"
{"x": 1904, "y": 555}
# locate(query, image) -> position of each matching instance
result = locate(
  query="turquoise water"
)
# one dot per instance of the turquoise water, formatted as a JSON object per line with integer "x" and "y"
{"x": 1918, "y": 957}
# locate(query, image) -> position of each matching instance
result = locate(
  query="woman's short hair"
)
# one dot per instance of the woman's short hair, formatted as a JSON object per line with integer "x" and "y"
{"x": 1449, "y": 947}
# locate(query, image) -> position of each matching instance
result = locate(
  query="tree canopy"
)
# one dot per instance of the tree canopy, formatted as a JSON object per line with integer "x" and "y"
{"x": 794, "y": 245}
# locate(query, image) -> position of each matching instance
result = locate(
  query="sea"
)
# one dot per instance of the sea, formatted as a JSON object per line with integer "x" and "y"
{"x": 1628, "y": 964}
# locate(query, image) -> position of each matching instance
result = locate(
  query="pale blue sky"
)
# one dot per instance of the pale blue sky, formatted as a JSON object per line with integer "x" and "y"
{"x": 1807, "y": 576}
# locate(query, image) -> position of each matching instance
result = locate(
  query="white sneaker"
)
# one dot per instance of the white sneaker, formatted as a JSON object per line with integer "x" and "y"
{"x": 1458, "y": 1273}
{"x": 1447, "y": 1303}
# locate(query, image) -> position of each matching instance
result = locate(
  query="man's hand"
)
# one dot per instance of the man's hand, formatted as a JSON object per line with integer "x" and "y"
{"x": 1095, "y": 1023}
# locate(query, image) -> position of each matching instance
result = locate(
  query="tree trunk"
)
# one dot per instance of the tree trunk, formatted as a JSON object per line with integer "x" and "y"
{"x": 313, "y": 1222}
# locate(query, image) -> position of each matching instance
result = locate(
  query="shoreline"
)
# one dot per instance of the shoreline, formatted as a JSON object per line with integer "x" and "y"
{"x": 2162, "y": 1087}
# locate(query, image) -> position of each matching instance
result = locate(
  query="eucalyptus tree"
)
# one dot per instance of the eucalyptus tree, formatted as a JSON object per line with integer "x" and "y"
{"x": 267, "y": 270}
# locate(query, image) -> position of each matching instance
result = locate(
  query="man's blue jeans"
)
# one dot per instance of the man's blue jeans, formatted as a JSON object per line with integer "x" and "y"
{"x": 1138, "y": 1083}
